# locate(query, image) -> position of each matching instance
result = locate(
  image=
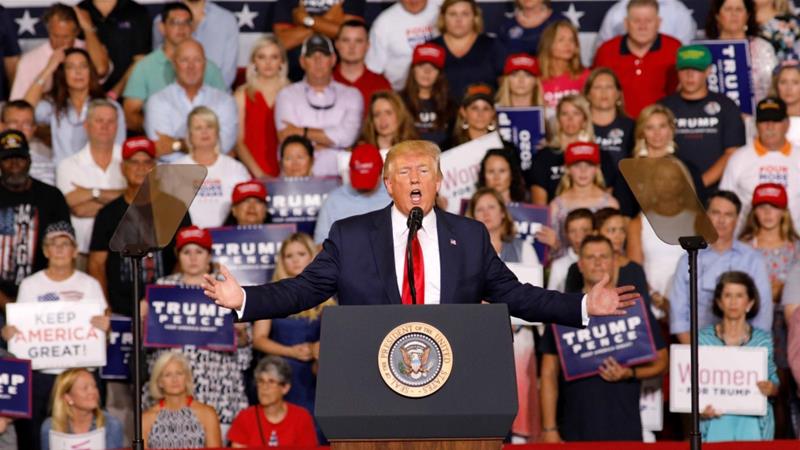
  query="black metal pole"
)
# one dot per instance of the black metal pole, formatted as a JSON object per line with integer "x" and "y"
{"x": 138, "y": 442}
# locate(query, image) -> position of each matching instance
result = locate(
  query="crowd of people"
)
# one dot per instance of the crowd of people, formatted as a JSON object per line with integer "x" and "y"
{"x": 114, "y": 92}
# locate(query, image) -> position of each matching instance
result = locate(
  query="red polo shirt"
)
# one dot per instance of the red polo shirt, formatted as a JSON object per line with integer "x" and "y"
{"x": 368, "y": 83}
{"x": 644, "y": 80}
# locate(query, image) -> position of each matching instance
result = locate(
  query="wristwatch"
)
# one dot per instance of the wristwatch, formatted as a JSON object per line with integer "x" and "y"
{"x": 95, "y": 193}
{"x": 309, "y": 21}
{"x": 177, "y": 145}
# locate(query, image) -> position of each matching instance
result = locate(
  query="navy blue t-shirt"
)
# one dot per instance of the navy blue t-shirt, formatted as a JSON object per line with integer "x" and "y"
{"x": 616, "y": 143}
{"x": 548, "y": 168}
{"x": 483, "y": 63}
{"x": 517, "y": 39}
{"x": 9, "y": 47}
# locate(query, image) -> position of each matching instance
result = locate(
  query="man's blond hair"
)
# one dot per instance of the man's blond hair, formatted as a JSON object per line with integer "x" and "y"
{"x": 415, "y": 148}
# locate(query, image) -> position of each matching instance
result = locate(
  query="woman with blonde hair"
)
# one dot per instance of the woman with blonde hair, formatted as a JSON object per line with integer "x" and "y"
{"x": 786, "y": 86}
{"x": 780, "y": 27}
{"x": 177, "y": 420}
{"x": 388, "y": 121}
{"x": 560, "y": 62}
{"x": 519, "y": 86}
{"x": 257, "y": 144}
{"x": 76, "y": 410}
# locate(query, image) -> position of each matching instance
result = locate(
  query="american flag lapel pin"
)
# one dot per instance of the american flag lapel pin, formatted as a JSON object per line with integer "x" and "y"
{"x": 452, "y": 242}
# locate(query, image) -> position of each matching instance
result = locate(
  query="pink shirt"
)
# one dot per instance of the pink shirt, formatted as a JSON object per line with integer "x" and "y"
{"x": 557, "y": 87}
{"x": 31, "y": 65}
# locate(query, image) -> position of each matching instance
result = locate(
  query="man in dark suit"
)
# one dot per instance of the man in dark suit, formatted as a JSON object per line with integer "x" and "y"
{"x": 363, "y": 261}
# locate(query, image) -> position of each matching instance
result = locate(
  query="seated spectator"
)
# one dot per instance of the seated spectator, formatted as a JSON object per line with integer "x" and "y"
{"x": 155, "y": 71}
{"x": 736, "y": 19}
{"x": 297, "y": 157}
{"x": 166, "y": 110}
{"x": 676, "y": 20}
{"x": 786, "y": 86}
{"x": 394, "y": 35}
{"x": 388, "y": 122}
{"x": 19, "y": 115}
{"x": 352, "y": 42}
{"x": 519, "y": 86}
{"x": 778, "y": 24}
{"x": 248, "y": 204}
{"x": 471, "y": 56}
{"x": 9, "y": 54}
{"x": 363, "y": 193}
{"x": 64, "y": 107}
{"x": 500, "y": 171}
{"x": 91, "y": 178}
{"x": 212, "y": 203}
{"x": 487, "y": 206}
{"x": 615, "y": 384}
{"x": 520, "y": 33}
{"x": 476, "y": 116}
{"x": 573, "y": 124}
{"x": 643, "y": 59}
{"x": 257, "y": 143}
{"x": 217, "y": 30}
{"x": 559, "y": 56}
{"x": 76, "y": 410}
{"x": 63, "y": 24}
{"x": 577, "y": 225}
{"x": 737, "y": 301}
{"x": 273, "y": 421}
{"x": 726, "y": 254}
{"x": 177, "y": 421}
{"x": 319, "y": 108}
{"x": 426, "y": 95}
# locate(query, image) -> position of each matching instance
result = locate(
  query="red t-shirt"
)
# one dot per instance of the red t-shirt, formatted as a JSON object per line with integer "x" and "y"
{"x": 368, "y": 83}
{"x": 295, "y": 430}
{"x": 644, "y": 80}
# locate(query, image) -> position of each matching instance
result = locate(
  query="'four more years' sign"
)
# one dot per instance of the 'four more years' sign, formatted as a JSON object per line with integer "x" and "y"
{"x": 249, "y": 251}
{"x": 15, "y": 387}
{"x": 298, "y": 200}
{"x": 627, "y": 338}
{"x": 179, "y": 316}
{"x": 57, "y": 335}
{"x": 730, "y": 72}
{"x": 119, "y": 350}
{"x": 727, "y": 376}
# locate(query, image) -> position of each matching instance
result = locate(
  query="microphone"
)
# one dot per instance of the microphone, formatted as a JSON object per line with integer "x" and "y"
{"x": 414, "y": 221}
{"x": 414, "y": 224}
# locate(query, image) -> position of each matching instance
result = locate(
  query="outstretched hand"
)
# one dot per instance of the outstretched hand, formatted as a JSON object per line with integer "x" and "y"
{"x": 224, "y": 289}
{"x": 608, "y": 301}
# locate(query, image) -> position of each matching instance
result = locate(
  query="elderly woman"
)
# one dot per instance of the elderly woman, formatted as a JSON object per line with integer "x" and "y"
{"x": 273, "y": 422}
{"x": 177, "y": 421}
{"x": 248, "y": 204}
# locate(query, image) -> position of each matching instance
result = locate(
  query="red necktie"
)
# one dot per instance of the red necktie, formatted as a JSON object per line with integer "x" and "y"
{"x": 419, "y": 275}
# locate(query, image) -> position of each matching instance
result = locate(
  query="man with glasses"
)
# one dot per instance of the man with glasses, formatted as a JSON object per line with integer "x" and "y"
{"x": 319, "y": 108}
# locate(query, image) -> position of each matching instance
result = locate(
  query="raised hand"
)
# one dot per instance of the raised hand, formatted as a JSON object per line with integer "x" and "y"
{"x": 225, "y": 291}
{"x": 607, "y": 301}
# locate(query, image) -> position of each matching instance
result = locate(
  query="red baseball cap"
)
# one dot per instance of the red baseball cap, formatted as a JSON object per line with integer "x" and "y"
{"x": 133, "y": 145}
{"x": 582, "y": 151}
{"x": 247, "y": 189}
{"x": 521, "y": 61}
{"x": 366, "y": 165}
{"x": 193, "y": 235}
{"x": 771, "y": 193}
{"x": 429, "y": 53}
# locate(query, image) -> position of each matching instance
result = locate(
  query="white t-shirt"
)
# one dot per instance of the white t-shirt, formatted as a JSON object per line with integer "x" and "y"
{"x": 559, "y": 269}
{"x": 213, "y": 201}
{"x": 793, "y": 135}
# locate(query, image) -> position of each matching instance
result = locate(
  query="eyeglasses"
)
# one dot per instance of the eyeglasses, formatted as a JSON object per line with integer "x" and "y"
{"x": 311, "y": 99}
{"x": 269, "y": 382}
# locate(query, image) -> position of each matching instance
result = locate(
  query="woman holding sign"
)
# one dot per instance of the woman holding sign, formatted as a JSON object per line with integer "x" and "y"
{"x": 735, "y": 301}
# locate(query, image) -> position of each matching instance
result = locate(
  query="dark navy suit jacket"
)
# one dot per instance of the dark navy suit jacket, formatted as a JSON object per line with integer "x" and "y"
{"x": 357, "y": 264}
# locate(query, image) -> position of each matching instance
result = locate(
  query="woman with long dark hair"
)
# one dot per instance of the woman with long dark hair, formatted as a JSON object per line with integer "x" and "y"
{"x": 426, "y": 95}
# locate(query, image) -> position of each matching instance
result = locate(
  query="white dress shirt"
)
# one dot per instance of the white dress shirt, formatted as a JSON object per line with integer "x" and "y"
{"x": 429, "y": 241}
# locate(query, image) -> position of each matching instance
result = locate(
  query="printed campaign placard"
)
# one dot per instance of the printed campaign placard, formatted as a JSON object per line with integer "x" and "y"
{"x": 92, "y": 440}
{"x": 627, "y": 338}
{"x": 181, "y": 316}
{"x": 118, "y": 350}
{"x": 529, "y": 219}
{"x": 651, "y": 404}
{"x": 730, "y": 72}
{"x": 727, "y": 376}
{"x": 525, "y": 128}
{"x": 15, "y": 388}
{"x": 298, "y": 200}
{"x": 57, "y": 335}
{"x": 460, "y": 167}
{"x": 249, "y": 251}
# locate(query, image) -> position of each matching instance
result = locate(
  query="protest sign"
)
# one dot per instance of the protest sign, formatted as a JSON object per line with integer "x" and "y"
{"x": 119, "y": 350}
{"x": 249, "y": 251}
{"x": 460, "y": 167}
{"x": 731, "y": 73}
{"x": 298, "y": 200}
{"x": 627, "y": 338}
{"x": 727, "y": 376}
{"x": 15, "y": 388}
{"x": 529, "y": 219}
{"x": 92, "y": 440}
{"x": 181, "y": 316}
{"x": 524, "y": 127}
{"x": 651, "y": 404}
{"x": 57, "y": 335}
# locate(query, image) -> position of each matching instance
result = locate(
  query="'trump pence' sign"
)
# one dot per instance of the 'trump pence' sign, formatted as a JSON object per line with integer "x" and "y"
{"x": 15, "y": 387}
{"x": 180, "y": 316}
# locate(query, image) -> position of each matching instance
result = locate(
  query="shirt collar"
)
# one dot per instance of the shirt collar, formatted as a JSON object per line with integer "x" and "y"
{"x": 400, "y": 223}
{"x": 624, "y": 50}
{"x": 786, "y": 149}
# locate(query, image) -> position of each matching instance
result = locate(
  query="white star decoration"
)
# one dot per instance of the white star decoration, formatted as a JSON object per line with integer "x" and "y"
{"x": 27, "y": 23}
{"x": 574, "y": 15}
{"x": 246, "y": 16}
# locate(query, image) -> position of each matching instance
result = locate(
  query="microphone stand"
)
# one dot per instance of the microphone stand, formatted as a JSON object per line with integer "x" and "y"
{"x": 414, "y": 224}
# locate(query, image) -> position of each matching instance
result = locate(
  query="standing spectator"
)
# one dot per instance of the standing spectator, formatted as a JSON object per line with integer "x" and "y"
{"x": 257, "y": 144}
{"x": 676, "y": 21}
{"x": 500, "y": 171}
{"x": 519, "y": 86}
{"x": 736, "y": 19}
{"x": 119, "y": 25}
{"x": 471, "y": 56}
{"x": 394, "y": 35}
{"x": 476, "y": 116}
{"x": 736, "y": 302}
{"x": 19, "y": 115}
{"x": 31, "y": 206}
{"x": 319, "y": 108}
{"x": 726, "y": 254}
{"x": 297, "y": 157}
{"x": 388, "y": 122}
{"x": 709, "y": 126}
{"x": 166, "y": 111}
{"x": 92, "y": 177}
{"x": 577, "y": 225}
{"x": 643, "y": 58}
{"x": 63, "y": 24}
{"x": 155, "y": 71}
{"x": 65, "y": 106}
{"x": 780, "y": 27}
{"x": 216, "y": 29}
{"x": 559, "y": 55}
{"x": 521, "y": 32}
{"x": 352, "y": 44}
{"x": 9, "y": 53}
{"x": 487, "y": 206}
{"x": 213, "y": 201}
{"x": 786, "y": 86}
{"x": 248, "y": 204}
{"x": 426, "y": 95}
{"x": 294, "y": 21}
